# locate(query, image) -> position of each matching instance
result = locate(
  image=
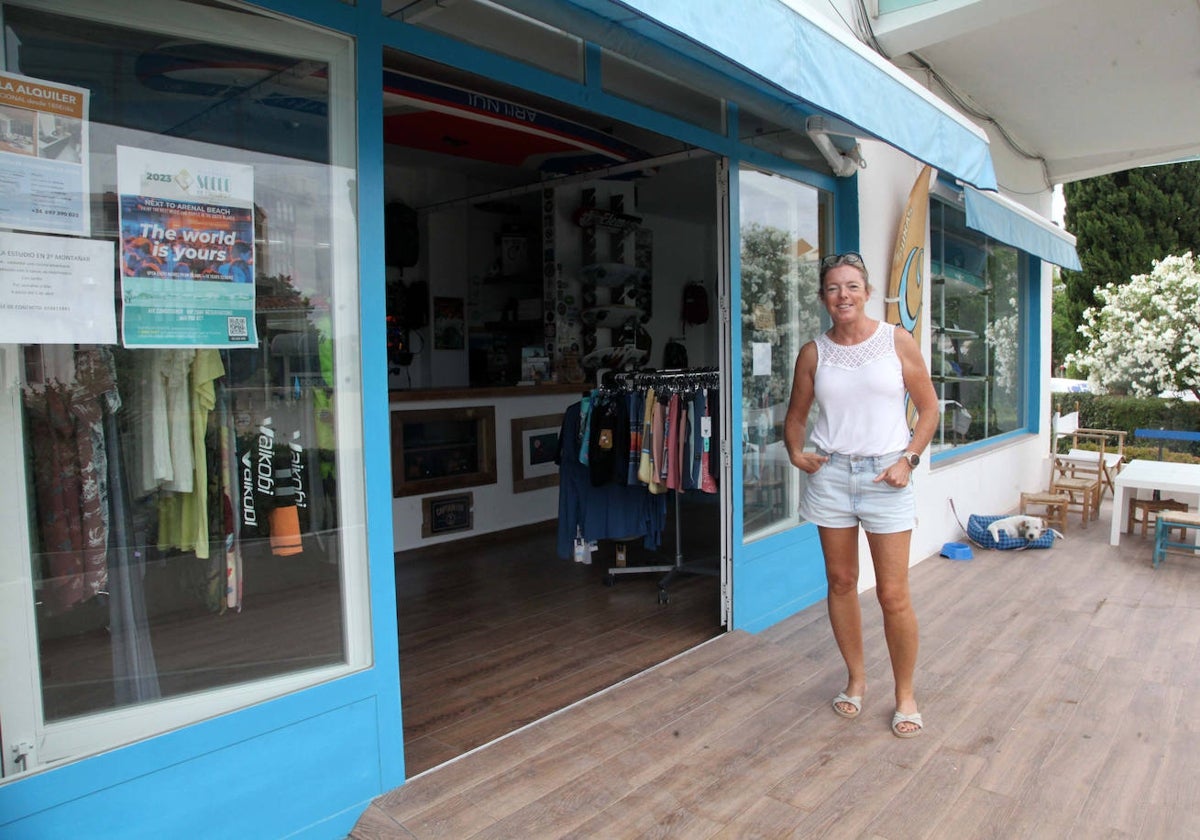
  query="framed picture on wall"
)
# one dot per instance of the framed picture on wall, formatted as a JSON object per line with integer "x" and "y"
{"x": 534, "y": 444}
{"x": 447, "y": 514}
{"x": 449, "y": 324}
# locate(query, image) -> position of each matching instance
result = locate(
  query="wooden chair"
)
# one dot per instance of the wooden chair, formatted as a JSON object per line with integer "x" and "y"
{"x": 1051, "y": 507}
{"x": 1080, "y": 475}
{"x": 1085, "y": 444}
{"x": 1082, "y": 490}
{"x": 1150, "y": 510}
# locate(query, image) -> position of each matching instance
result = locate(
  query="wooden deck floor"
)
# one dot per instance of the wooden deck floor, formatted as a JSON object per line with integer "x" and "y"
{"x": 1061, "y": 695}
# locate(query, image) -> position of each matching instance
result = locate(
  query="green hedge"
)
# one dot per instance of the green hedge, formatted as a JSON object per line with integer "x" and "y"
{"x": 1101, "y": 411}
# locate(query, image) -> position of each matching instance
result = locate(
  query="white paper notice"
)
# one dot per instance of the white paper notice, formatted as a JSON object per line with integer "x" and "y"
{"x": 56, "y": 290}
{"x": 43, "y": 155}
{"x": 762, "y": 359}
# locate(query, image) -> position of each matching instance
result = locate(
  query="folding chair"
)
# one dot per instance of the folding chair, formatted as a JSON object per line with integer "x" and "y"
{"x": 1109, "y": 443}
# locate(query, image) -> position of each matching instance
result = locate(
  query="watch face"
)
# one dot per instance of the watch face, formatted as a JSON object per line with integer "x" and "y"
{"x": 913, "y": 459}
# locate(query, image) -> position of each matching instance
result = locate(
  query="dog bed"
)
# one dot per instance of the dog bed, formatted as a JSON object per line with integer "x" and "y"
{"x": 977, "y": 531}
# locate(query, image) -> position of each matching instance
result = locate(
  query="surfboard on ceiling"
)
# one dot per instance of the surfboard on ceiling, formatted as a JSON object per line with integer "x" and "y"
{"x": 423, "y": 114}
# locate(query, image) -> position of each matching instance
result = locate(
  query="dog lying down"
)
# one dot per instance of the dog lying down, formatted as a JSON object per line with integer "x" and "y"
{"x": 1028, "y": 528}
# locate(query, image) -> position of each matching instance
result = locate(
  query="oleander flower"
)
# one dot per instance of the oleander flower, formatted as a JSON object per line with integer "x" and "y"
{"x": 1144, "y": 339}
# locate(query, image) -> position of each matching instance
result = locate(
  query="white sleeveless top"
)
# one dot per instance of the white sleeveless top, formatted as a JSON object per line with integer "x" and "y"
{"x": 860, "y": 395}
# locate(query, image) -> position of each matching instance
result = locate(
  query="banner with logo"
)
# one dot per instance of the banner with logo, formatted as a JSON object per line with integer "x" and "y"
{"x": 43, "y": 156}
{"x": 187, "y": 250}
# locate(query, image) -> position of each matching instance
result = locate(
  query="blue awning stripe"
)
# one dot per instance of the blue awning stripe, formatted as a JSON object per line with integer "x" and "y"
{"x": 765, "y": 41}
{"x": 1006, "y": 221}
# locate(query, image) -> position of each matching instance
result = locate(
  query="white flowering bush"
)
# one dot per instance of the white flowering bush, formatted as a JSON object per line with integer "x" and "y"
{"x": 1145, "y": 337}
{"x": 1002, "y": 336}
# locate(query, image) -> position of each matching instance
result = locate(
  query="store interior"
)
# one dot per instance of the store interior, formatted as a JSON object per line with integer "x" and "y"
{"x": 535, "y": 252}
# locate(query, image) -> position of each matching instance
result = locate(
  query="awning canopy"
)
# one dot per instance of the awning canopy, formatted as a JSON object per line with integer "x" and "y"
{"x": 788, "y": 57}
{"x": 1007, "y": 221}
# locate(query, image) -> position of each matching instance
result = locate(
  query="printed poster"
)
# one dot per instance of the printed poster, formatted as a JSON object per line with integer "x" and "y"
{"x": 43, "y": 156}
{"x": 56, "y": 290}
{"x": 187, "y": 250}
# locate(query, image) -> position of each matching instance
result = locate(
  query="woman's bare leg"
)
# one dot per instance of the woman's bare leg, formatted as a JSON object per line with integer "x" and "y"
{"x": 889, "y": 554}
{"x": 840, "y": 546}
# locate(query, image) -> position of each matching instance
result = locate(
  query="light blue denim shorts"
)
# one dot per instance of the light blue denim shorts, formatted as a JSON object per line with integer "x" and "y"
{"x": 843, "y": 493}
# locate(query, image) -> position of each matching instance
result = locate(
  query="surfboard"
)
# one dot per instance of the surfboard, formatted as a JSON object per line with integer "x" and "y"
{"x": 906, "y": 284}
{"x": 615, "y": 357}
{"x": 612, "y": 274}
{"x": 610, "y": 316}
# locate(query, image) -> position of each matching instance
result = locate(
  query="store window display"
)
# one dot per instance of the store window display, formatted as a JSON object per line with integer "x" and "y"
{"x": 189, "y": 508}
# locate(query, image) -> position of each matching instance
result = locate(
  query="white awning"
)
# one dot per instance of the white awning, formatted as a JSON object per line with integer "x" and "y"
{"x": 1013, "y": 224}
{"x": 801, "y": 62}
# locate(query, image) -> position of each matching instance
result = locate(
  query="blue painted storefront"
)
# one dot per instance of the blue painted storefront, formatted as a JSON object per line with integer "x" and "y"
{"x": 309, "y": 763}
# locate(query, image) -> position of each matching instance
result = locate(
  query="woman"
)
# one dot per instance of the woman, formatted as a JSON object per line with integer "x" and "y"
{"x": 858, "y": 373}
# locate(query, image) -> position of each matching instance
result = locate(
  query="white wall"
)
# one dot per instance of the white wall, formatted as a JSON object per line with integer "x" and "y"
{"x": 988, "y": 482}
{"x": 496, "y": 506}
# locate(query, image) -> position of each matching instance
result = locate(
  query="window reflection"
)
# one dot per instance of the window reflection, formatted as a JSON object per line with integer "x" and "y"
{"x": 977, "y": 358}
{"x": 782, "y": 223}
{"x": 184, "y": 503}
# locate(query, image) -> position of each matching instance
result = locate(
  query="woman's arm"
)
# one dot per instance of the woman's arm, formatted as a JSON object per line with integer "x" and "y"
{"x": 920, "y": 390}
{"x": 795, "y": 425}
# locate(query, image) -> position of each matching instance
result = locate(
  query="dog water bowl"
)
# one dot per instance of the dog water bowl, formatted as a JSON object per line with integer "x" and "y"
{"x": 957, "y": 551}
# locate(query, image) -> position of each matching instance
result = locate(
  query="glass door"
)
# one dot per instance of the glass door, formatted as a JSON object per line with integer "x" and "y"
{"x": 783, "y": 226}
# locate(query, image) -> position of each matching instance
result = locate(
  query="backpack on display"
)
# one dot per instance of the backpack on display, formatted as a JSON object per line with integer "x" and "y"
{"x": 695, "y": 304}
{"x": 675, "y": 356}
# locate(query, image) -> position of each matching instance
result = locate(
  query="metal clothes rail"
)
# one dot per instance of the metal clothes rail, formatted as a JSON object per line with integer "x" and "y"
{"x": 678, "y": 381}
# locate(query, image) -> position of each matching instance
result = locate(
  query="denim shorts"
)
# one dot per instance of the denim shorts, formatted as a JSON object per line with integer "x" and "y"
{"x": 843, "y": 493}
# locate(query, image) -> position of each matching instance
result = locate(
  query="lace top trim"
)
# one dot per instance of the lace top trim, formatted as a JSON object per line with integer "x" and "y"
{"x": 852, "y": 356}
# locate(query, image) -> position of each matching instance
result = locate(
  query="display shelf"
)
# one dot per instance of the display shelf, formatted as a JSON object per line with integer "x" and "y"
{"x": 954, "y": 332}
{"x": 443, "y": 449}
{"x": 937, "y": 377}
{"x": 531, "y": 325}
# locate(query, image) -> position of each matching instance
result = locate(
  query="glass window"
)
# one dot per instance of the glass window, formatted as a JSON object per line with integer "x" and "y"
{"x": 639, "y": 83}
{"x": 978, "y": 361}
{"x": 491, "y": 26}
{"x": 191, "y": 483}
{"x": 783, "y": 225}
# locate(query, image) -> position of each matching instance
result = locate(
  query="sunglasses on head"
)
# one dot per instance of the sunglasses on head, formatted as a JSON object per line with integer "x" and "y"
{"x": 848, "y": 258}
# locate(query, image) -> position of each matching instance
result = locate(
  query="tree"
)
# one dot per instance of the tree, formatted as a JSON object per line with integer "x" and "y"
{"x": 1123, "y": 222}
{"x": 1145, "y": 338}
{"x": 780, "y": 308}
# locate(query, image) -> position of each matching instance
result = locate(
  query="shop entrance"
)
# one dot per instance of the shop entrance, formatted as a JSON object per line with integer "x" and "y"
{"x": 535, "y": 253}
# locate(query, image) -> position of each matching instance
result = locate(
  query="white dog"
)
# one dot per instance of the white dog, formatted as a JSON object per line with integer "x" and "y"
{"x": 1028, "y": 528}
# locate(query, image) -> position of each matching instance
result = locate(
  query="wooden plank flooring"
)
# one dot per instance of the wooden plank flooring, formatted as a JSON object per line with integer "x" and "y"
{"x": 1059, "y": 689}
{"x": 497, "y": 633}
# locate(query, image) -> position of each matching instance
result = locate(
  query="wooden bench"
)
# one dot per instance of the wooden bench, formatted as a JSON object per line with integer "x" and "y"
{"x": 1168, "y": 521}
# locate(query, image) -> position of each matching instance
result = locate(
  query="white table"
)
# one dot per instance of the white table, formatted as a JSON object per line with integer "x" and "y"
{"x": 1166, "y": 476}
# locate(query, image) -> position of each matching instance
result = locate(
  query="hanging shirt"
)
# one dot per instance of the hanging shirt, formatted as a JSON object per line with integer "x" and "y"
{"x": 646, "y": 462}
{"x": 183, "y": 517}
{"x": 608, "y": 439}
{"x": 69, "y": 450}
{"x": 710, "y": 465}
{"x": 635, "y": 408}
{"x": 609, "y": 512}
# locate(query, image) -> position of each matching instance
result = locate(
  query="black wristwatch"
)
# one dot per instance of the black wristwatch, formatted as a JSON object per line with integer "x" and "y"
{"x": 913, "y": 459}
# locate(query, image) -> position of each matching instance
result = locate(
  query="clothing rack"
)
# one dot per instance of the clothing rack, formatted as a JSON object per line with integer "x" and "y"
{"x": 681, "y": 380}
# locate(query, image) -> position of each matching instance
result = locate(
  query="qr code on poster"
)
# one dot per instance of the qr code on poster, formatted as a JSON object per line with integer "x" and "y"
{"x": 237, "y": 328}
